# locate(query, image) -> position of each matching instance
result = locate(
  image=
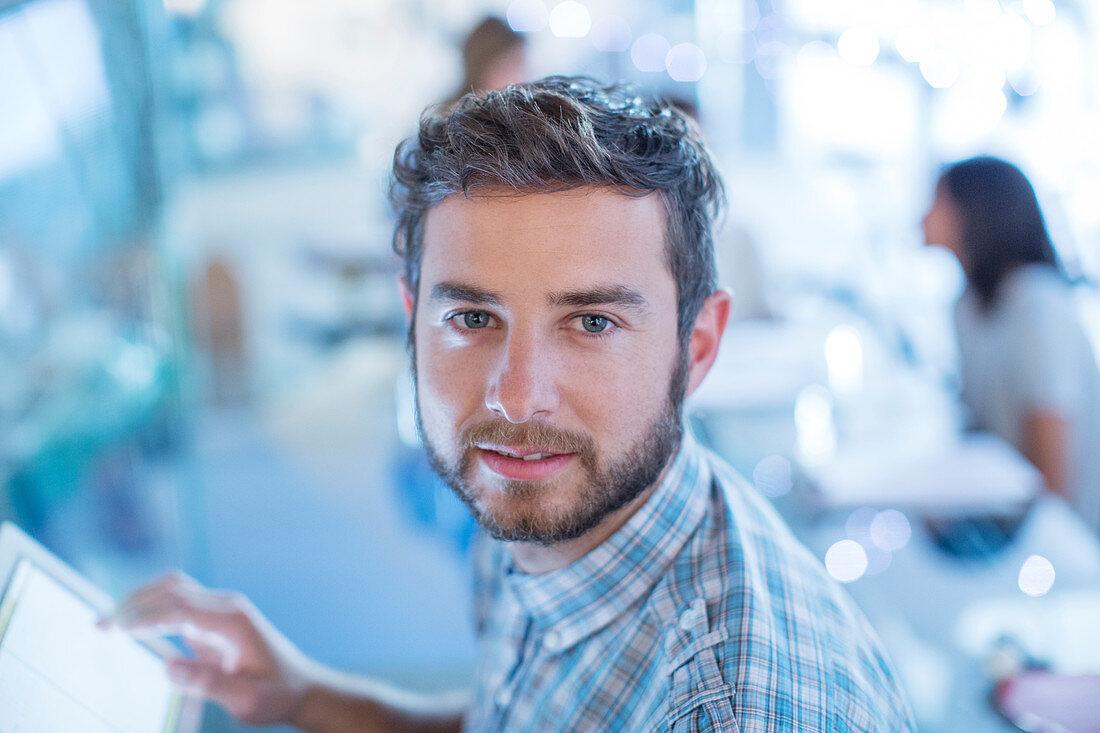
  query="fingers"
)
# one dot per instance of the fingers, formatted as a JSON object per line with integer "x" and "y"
{"x": 199, "y": 678}
{"x": 240, "y": 660}
{"x": 213, "y": 647}
{"x": 138, "y": 599}
{"x": 209, "y": 648}
{"x": 178, "y": 604}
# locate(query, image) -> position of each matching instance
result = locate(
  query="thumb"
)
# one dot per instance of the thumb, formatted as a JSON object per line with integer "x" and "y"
{"x": 245, "y": 696}
{"x": 207, "y": 678}
{"x": 203, "y": 676}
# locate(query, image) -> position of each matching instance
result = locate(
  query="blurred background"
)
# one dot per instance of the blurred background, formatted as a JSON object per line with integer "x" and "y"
{"x": 202, "y": 357}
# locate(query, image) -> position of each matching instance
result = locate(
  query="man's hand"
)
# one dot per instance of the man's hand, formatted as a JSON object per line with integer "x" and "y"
{"x": 241, "y": 661}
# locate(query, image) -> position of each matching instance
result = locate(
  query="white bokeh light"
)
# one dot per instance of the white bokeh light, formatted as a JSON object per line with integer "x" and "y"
{"x": 890, "y": 530}
{"x": 570, "y": 19}
{"x": 7, "y": 282}
{"x": 913, "y": 43}
{"x": 814, "y": 53}
{"x": 770, "y": 57}
{"x": 1026, "y": 82}
{"x": 184, "y": 7}
{"x": 939, "y": 68}
{"x": 983, "y": 11}
{"x": 844, "y": 360}
{"x": 1036, "y": 576}
{"x": 858, "y": 525}
{"x": 649, "y": 52}
{"x": 813, "y": 418}
{"x": 135, "y": 366}
{"x": 846, "y": 561}
{"x": 857, "y": 528}
{"x": 737, "y": 48}
{"x": 967, "y": 113}
{"x": 750, "y": 15}
{"x": 525, "y": 16}
{"x": 1040, "y": 12}
{"x": 611, "y": 35}
{"x": 686, "y": 62}
{"x": 858, "y": 46}
{"x": 986, "y": 77}
{"x": 772, "y": 476}
{"x": 1013, "y": 41}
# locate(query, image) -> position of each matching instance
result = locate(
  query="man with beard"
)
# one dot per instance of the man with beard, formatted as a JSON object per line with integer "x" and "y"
{"x": 560, "y": 286}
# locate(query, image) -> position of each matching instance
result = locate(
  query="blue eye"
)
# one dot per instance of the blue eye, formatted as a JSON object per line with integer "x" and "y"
{"x": 594, "y": 324}
{"x": 475, "y": 319}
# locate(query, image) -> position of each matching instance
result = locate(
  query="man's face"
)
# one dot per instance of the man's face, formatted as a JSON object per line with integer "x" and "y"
{"x": 549, "y": 373}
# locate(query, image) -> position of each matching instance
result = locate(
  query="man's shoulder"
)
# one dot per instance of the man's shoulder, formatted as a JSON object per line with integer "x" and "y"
{"x": 744, "y": 553}
{"x": 751, "y": 617}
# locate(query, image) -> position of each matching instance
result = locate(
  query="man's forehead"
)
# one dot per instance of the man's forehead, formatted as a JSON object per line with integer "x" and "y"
{"x": 546, "y": 242}
{"x": 549, "y": 248}
{"x": 597, "y": 207}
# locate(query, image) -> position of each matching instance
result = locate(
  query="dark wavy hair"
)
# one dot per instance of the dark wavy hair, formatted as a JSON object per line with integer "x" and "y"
{"x": 1002, "y": 226}
{"x": 558, "y": 134}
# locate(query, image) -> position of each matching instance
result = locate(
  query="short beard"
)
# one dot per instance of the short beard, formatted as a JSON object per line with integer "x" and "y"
{"x": 609, "y": 488}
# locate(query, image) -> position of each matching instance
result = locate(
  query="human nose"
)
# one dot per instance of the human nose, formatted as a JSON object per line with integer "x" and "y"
{"x": 523, "y": 385}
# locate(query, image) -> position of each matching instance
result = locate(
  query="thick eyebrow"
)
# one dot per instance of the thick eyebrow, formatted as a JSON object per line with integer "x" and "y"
{"x": 460, "y": 293}
{"x": 620, "y": 295}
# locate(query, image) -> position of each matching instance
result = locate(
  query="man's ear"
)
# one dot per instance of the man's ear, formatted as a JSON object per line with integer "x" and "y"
{"x": 406, "y": 298}
{"x": 706, "y": 336}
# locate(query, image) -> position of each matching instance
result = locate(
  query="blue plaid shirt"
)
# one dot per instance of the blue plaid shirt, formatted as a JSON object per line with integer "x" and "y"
{"x": 701, "y": 613}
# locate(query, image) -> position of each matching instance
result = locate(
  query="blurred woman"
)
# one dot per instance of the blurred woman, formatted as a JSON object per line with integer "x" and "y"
{"x": 493, "y": 56}
{"x": 1029, "y": 373}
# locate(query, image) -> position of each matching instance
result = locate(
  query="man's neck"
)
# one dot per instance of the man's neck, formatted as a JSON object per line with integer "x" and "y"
{"x": 534, "y": 558}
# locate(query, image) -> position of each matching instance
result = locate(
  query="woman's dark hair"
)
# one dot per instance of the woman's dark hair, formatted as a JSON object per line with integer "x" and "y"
{"x": 1002, "y": 226}
{"x": 558, "y": 134}
{"x": 487, "y": 43}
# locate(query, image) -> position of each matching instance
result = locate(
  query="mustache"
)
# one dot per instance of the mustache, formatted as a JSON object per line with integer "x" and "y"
{"x": 530, "y": 435}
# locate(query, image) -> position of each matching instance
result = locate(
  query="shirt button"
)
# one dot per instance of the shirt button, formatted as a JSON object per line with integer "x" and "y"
{"x": 503, "y": 697}
{"x": 552, "y": 641}
{"x": 687, "y": 619}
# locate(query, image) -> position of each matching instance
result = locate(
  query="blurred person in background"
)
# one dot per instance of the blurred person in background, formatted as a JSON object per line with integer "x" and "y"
{"x": 1028, "y": 371}
{"x": 561, "y": 289}
{"x": 493, "y": 56}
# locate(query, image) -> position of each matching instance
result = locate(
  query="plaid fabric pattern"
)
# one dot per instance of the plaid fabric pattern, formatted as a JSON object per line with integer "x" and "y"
{"x": 702, "y": 613}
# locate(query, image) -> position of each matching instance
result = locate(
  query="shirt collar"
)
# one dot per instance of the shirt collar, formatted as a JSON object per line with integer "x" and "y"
{"x": 580, "y": 599}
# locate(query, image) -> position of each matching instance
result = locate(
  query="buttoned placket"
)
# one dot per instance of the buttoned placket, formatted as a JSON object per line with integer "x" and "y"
{"x": 695, "y": 675}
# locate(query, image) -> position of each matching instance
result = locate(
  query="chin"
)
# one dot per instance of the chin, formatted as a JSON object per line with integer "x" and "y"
{"x": 527, "y": 514}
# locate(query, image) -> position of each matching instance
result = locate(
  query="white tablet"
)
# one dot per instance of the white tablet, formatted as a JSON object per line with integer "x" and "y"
{"x": 58, "y": 672}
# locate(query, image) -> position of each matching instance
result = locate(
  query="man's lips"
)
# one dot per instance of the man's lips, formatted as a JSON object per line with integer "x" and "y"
{"x": 522, "y": 463}
{"x": 516, "y": 451}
